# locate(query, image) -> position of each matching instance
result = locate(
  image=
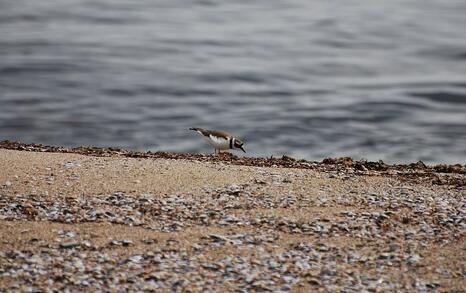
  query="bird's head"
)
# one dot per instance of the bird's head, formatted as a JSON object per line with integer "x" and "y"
{"x": 238, "y": 144}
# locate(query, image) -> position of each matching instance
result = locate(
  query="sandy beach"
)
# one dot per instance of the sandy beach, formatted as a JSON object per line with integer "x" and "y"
{"x": 112, "y": 220}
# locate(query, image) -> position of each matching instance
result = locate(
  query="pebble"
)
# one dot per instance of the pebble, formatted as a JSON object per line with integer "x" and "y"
{"x": 70, "y": 244}
{"x": 69, "y": 165}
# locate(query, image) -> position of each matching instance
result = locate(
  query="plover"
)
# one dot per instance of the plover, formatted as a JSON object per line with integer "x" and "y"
{"x": 219, "y": 139}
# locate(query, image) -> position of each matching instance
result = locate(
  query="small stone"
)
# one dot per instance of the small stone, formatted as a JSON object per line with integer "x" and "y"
{"x": 34, "y": 239}
{"x": 217, "y": 237}
{"x": 69, "y": 165}
{"x": 70, "y": 244}
{"x": 313, "y": 282}
{"x": 413, "y": 258}
{"x": 115, "y": 242}
{"x": 135, "y": 258}
{"x": 126, "y": 242}
{"x": 149, "y": 240}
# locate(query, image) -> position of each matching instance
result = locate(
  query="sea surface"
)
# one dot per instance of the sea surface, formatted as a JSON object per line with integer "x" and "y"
{"x": 370, "y": 79}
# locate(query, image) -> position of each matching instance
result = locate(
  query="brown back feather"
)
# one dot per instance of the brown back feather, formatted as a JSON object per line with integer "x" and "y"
{"x": 208, "y": 132}
{"x": 218, "y": 133}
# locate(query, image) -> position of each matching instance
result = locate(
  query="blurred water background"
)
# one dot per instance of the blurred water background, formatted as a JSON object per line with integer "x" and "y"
{"x": 370, "y": 79}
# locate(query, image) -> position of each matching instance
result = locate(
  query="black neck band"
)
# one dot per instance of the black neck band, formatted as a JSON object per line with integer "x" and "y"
{"x": 231, "y": 143}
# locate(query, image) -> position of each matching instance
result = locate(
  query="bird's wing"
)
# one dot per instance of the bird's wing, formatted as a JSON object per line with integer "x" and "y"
{"x": 218, "y": 133}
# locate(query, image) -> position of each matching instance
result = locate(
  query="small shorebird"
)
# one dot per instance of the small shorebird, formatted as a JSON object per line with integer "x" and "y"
{"x": 219, "y": 139}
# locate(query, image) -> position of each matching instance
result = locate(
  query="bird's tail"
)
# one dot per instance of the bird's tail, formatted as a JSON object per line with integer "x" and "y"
{"x": 197, "y": 129}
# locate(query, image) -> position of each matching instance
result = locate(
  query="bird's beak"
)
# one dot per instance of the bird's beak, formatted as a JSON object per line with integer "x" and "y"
{"x": 241, "y": 147}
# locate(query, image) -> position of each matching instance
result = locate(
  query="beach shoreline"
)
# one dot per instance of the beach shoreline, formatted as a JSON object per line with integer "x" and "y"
{"x": 166, "y": 221}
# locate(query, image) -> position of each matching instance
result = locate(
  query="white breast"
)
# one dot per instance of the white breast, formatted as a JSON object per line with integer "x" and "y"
{"x": 218, "y": 142}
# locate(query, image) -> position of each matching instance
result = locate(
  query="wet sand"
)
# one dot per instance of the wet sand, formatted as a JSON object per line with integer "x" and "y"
{"x": 94, "y": 219}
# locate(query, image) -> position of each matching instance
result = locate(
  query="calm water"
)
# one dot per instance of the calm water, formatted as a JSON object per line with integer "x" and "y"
{"x": 369, "y": 79}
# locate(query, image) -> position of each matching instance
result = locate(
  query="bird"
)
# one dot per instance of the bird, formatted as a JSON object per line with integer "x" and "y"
{"x": 219, "y": 139}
